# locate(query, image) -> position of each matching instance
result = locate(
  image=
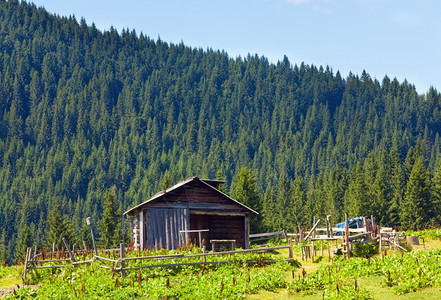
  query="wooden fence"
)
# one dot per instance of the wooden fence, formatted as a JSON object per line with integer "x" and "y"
{"x": 267, "y": 236}
{"x": 122, "y": 263}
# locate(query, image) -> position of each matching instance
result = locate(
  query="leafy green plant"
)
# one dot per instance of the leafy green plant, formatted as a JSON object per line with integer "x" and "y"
{"x": 365, "y": 250}
{"x": 404, "y": 273}
{"x": 215, "y": 281}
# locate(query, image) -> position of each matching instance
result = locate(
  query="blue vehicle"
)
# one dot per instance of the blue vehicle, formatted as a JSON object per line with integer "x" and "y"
{"x": 356, "y": 222}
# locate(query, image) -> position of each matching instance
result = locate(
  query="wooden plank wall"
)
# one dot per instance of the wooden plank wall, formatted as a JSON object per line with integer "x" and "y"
{"x": 163, "y": 226}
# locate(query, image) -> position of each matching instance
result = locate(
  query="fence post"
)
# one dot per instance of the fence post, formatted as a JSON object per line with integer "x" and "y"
{"x": 348, "y": 248}
{"x": 204, "y": 258}
{"x": 89, "y": 222}
{"x": 329, "y": 250}
{"x": 26, "y": 264}
{"x": 122, "y": 255}
{"x": 380, "y": 241}
{"x": 328, "y": 220}
{"x": 290, "y": 248}
{"x": 72, "y": 257}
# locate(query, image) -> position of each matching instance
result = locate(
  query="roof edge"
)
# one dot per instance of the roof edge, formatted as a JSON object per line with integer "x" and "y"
{"x": 184, "y": 182}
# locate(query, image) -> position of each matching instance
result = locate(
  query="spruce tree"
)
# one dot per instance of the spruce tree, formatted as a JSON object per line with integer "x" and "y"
{"x": 3, "y": 249}
{"x": 283, "y": 209}
{"x": 397, "y": 183}
{"x": 245, "y": 191}
{"x": 436, "y": 194}
{"x": 166, "y": 181}
{"x": 300, "y": 214}
{"x": 382, "y": 190}
{"x": 356, "y": 194}
{"x": 109, "y": 225}
{"x": 269, "y": 220}
{"x": 59, "y": 227}
{"x": 416, "y": 207}
{"x": 24, "y": 241}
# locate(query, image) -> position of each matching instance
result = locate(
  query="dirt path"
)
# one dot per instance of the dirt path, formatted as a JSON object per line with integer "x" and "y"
{"x": 11, "y": 289}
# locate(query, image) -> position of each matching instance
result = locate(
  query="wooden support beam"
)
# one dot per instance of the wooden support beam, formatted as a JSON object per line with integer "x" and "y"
{"x": 360, "y": 235}
{"x": 72, "y": 256}
{"x": 312, "y": 230}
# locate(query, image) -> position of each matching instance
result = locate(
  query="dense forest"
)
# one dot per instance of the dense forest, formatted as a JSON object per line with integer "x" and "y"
{"x": 89, "y": 115}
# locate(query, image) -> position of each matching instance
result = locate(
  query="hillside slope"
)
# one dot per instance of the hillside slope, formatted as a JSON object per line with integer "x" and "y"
{"x": 83, "y": 110}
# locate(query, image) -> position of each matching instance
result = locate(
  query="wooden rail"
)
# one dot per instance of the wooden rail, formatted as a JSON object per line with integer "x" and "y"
{"x": 267, "y": 235}
{"x": 123, "y": 267}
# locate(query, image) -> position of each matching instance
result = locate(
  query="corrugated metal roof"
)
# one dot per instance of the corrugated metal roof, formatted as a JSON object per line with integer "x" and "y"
{"x": 186, "y": 181}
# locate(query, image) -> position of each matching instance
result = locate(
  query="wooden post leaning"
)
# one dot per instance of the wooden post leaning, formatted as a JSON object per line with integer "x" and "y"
{"x": 28, "y": 250}
{"x": 122, "y": 256}
{"x": 72, "y": 256}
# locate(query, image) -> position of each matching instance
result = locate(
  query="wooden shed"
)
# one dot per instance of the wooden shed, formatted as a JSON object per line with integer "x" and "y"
{"x": 192, "y": 209}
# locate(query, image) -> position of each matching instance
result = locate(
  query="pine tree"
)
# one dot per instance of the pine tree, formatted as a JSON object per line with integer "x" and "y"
{"x": 283, "y": 208}
{"x": 356, "y": 194}
{"x": 23, "y": 242}
{"x": 269, "y": 220}
{"x": 109, "y": 225}
{"x": 59, "y": 227}
{"x": 245, "y": 191}
{"x": 166, "y": 181}
{"x": 436, "y": 194}
{"x": 382, "y": 190}
{"x": 416, "y": 207}
{"x": 300, "y": 214}
{"x": 397, "y": 184}
{"x": 3, "y": 249}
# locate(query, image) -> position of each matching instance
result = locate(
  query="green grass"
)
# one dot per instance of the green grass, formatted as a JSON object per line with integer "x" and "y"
{"x": 10, "y": 276}
{"x": 406, "y": 282}
{"x": 380, "y": 291}
{"x": 232, "y": 281}
{"x": 415, "y": 275}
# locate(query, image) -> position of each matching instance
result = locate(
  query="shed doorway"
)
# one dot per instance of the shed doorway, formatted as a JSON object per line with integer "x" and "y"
{"x": 221, "y": 227}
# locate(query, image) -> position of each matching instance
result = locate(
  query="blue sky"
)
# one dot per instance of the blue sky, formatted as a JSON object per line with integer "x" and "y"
{"x": 397, "y": 38}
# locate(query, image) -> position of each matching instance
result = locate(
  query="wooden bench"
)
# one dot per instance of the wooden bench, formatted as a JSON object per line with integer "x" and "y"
{"x": 214, "y": 242}
{"x": 199, "y": 231}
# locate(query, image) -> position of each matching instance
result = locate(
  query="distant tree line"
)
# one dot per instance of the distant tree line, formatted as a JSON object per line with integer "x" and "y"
{"x": 84, "y": 110}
